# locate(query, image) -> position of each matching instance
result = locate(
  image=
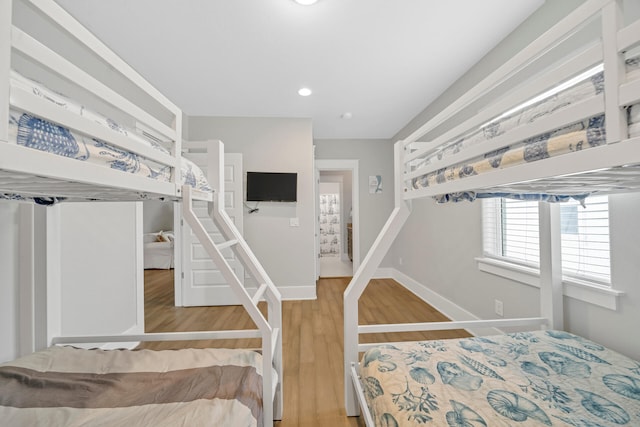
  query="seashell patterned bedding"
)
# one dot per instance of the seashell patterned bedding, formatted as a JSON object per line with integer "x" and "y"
{"x": 538, "y": 378}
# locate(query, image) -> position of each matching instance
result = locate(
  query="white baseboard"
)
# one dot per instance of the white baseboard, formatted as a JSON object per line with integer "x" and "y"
{"x": 384, "y": 273}
{"x": 134, "y": 330}
{"x": 298, "y": 292}
{"x": 437, "y": 301}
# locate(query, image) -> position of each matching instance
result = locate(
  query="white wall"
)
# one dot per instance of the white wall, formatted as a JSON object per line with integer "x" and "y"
{"x": 101, "y": 284}
{"x": 9, "y": 281}
{"x": 438, "y": 244}
{"x": 274, "y": 145}
{"x": 101, "y": 271}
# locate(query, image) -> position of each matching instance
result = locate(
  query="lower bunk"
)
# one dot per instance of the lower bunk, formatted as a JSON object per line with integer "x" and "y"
{"x": 528, "y": 378}
{"x": 69, "y": 386}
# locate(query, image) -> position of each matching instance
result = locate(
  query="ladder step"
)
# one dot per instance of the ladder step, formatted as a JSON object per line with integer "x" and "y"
{"x": 226, "y": 244}
{"x": 259, "y": 293}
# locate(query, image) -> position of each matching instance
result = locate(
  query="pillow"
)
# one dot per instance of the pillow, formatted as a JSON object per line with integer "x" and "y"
{"x": 161, "y": 237}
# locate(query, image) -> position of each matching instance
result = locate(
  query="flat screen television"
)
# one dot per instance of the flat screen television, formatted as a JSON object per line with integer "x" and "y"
{"x": 272, "y": 187}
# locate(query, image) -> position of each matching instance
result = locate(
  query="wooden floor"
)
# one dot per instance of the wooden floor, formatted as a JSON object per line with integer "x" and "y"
{"x": 312, "y": 338}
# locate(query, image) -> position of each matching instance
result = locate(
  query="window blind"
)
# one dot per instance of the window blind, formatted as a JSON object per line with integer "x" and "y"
{"x": 514, "y": 231}
{"x": 585, "y": 239}
{"x": 511, "y": 232}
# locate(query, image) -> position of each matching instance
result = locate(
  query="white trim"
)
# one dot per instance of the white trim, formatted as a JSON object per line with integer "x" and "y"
{"x": 27, "y": 279}
{"x": 347, "y": 165}
{"x": 53, "y": 267}
{"x": 362, "y": 402}
{"x": 294, "y": 293}
{"x": 590, "y": 292}
{"x": 5, "y": 66}
{"x": 384, "y": 273}
{"x": 138, "y": 327}
{"x": 440, "y": 303}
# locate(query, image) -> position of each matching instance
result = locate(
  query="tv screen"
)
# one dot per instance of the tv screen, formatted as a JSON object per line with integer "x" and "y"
{"x": 272, "y": 187}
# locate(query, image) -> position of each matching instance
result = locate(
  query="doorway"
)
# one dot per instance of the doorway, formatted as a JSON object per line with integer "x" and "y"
{"x": 337, "y": 243}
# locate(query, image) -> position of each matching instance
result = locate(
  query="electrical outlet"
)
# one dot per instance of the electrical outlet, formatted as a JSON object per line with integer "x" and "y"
{"x": 400, "y": 261}
{"x": 499, "y": 308}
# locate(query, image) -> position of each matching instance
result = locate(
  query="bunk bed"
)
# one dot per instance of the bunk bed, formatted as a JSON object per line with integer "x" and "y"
{"x": 534, "y": 129}
{"x": 79, "y": 124}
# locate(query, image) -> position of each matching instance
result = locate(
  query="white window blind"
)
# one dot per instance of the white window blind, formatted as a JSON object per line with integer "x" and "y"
{"x": 511, "y": 233}
{"x": 585, "y": 239}
{"x": 514, "y": 234}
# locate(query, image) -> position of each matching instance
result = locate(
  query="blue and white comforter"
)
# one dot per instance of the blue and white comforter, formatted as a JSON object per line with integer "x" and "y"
{"x": 33, "y": 132}
{"x": 571, "y": 138}
{"x": 541, "y": 378}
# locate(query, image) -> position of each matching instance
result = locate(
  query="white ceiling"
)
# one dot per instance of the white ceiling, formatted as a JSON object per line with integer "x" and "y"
{"x": 383, "y": 61}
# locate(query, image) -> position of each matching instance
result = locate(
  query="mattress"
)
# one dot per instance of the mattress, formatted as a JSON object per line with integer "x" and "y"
{"x": 30, "y": 131}
{"x": 522, "y": 379}
{"x": 66, "y": 386}
{"x": 571, "y": 138}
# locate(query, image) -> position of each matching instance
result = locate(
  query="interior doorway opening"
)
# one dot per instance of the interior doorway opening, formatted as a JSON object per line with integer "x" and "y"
{"x": 337, "y": 246}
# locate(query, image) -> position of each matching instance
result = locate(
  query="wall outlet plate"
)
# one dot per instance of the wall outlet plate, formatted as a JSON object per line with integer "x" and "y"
{"x": 498, "y": 307}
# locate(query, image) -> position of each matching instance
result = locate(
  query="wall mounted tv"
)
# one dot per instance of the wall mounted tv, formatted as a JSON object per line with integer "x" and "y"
{"x": 272, "y": 187}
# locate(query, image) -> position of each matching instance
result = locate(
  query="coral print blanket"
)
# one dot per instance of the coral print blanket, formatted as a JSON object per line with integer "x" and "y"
{"x": 542, "y": 378}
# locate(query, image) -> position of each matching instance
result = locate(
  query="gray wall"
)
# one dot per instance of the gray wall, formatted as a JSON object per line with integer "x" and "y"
{"x": 375, "y": 157}
{"x": 274, "y": 145}
{"x": 439, "y": 242}
{"x": 157, "y": 216}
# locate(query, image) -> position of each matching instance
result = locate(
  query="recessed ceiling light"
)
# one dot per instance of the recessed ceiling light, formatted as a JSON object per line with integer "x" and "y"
{"x": 306, "y": 2}
{"x": 305, "y": 91}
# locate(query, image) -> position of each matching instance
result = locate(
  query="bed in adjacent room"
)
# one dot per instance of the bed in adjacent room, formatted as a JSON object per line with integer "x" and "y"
{"x": 159, "y": 250}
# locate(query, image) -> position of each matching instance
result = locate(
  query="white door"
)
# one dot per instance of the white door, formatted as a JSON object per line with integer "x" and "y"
{"x": 202, "y": 281}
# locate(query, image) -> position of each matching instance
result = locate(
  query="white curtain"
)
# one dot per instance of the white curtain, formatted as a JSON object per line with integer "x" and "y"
{"x": 330, "y": 225}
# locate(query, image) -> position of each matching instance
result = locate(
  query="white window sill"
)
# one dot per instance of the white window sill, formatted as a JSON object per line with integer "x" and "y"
{"x": 581, "y": 290}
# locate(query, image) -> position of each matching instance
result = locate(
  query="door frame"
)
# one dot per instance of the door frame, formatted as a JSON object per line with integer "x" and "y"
{"x": 343, "y": 165}
{"x": 183, "y": 244}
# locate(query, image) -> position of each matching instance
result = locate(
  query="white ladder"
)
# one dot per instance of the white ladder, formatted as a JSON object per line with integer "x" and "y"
{"x": 269, "y": 330}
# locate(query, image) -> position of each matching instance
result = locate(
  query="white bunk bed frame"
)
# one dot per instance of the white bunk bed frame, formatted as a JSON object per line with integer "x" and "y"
{"x": 610, "y": 168}
{"x": 32, "y": 173}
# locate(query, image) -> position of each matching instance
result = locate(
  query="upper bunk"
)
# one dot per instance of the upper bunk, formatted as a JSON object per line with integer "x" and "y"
{"x": 77, "y": 122}
{"x": 560, "y": 119}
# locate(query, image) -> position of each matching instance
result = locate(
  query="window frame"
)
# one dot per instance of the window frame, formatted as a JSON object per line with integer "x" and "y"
{"x": 591, "y": 291}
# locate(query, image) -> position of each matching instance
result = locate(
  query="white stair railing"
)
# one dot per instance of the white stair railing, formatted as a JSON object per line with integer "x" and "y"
{"x": 270, "y": 330}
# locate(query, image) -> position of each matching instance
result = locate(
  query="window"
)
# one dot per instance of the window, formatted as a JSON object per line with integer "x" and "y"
{"x": 511, "y": 235}
{"x": 585, "y": 240}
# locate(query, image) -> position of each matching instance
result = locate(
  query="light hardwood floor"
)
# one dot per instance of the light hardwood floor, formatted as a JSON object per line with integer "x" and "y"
{"x": 312, "y": 338}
